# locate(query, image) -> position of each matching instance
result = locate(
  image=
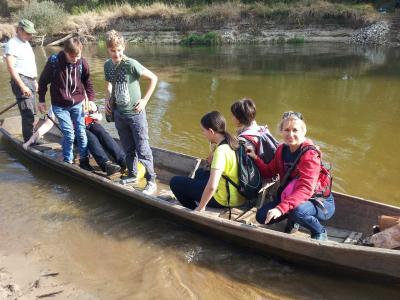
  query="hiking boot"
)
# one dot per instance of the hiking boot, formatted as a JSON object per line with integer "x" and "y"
{"x": 84, "y": 164}
{"x": 323, "y": 236}
{"x": 111, "y": 168}
{"x": 291, "y": 227}
{"x": 150, "y": 188}
{"x": 127, "y": 179}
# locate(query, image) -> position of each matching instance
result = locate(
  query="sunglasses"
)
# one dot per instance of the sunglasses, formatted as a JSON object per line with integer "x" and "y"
{"x": 289, "y": 114}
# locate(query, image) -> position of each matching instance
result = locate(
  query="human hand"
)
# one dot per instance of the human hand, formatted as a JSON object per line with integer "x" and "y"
{"x": 25, "y": 91}
{"x": 140, "y": 105}
{"x": 199, "y": 209}
{"x": 42, "y": 107}
{"x": 272, "y": 214}
{"x": 250, "y": 152}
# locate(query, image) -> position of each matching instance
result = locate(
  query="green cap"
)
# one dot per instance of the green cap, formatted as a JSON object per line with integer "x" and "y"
{"x": 27, "y": 26}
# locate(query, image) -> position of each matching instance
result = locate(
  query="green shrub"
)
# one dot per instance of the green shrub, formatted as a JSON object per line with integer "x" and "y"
{"x": 47, "y": 16}
{"x": 208, "y": 39}
{"x": 296, "y": 40}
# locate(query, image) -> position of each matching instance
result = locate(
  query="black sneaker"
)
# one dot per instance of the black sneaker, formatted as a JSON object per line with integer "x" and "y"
{"x": 127, "y": 179}
{"x": 111, "y": 168}
{"x": 84, "y": 164}
{"x": 291, "y": 227}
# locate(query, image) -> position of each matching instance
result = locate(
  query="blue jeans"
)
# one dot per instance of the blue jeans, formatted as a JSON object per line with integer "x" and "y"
{"x": 307, "y": 214}
{"x": 72, "y": 123}
{"x": 188, "y": 190}
{"x": 101, "y": 145}
{"x": 134, "y": 135}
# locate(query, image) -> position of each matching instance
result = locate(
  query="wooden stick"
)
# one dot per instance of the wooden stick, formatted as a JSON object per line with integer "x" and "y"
{"x": 8, "y": 108}
{"x": 58, "y": 42}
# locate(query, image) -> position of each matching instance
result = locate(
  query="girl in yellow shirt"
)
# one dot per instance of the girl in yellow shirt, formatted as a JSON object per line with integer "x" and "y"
{"x": 208, "y": 188}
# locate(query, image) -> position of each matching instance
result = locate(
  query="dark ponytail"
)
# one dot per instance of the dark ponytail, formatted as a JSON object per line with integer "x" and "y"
{"x": 215, "y": 120}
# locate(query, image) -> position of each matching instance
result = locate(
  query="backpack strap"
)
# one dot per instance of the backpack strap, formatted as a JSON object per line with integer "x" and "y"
{"x": 53, "y": 59}
{"x": 291, "y": 169}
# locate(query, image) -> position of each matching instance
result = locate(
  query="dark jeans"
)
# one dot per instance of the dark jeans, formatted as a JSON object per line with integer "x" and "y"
{"x": 100, "y": 143}
{"x": 188, "y": 190}
{"x": 134, "y": 135}
{"x": 307, "y": 214}
{"x": 26, "y": 105}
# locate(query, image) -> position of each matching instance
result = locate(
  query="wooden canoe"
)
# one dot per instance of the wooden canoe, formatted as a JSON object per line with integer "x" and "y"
{"x": 353, "y": 219}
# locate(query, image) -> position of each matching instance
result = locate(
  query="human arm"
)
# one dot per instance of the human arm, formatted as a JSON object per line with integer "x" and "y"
{"x": 141, "y": 103}
{"x": 44, "y": 80}
{"x": 266, "y": 170}
{"x": 210, "y": 189}
{"x": 107, "y": 104}
{"x": 10, "y": 61}
{"x": 86, "y": 81}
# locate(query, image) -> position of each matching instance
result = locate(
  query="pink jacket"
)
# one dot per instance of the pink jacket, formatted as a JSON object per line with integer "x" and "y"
{"x": 307, "y": 173}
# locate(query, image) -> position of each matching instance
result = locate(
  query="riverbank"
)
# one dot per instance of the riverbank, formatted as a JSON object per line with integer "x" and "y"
{"x": 28, "y": 274}
{"x": 226, "y": 23}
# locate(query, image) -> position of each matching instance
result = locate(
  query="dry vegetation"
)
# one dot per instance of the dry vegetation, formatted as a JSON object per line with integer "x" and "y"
{"x": 302, "y": 12}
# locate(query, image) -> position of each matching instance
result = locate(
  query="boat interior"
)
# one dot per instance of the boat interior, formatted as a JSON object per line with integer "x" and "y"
{"x": 352, "y": 222}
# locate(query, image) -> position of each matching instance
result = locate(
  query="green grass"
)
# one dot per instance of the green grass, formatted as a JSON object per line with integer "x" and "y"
{"x": 207, "y": 39}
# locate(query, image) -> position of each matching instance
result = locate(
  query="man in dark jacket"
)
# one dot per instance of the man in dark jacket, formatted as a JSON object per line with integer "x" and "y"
{"x": 69, "y": 78}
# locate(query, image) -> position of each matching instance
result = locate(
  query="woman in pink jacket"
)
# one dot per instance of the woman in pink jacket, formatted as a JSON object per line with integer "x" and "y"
{"x": 298, "y": 203}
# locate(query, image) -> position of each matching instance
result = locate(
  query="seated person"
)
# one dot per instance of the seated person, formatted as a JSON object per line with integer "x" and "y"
{"x": 100, "y": 143}
{"x": 297, "y": 203}
{"x": 207, "y": 188}
{"x": 258, "y": 137}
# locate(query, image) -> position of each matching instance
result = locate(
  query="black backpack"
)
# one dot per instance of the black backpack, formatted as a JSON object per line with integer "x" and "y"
{"x": 250, "y": 181}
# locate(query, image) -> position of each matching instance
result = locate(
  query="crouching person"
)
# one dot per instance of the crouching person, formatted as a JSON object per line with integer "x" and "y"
{"x": 298, "y": 164}
{"x": 69, "y": 78}
{"x": 209, "y": 188}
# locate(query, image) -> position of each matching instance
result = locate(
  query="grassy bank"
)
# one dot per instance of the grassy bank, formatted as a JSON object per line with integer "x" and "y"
{"x": 184, "y": 18}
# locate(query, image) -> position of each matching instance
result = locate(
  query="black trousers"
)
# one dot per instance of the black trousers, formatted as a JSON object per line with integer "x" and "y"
{"x": 26, "y": 105}
{"x": 103, "y": 147}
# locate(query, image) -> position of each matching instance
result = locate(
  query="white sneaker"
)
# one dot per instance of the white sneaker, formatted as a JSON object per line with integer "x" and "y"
{"x": 150, "y": 188}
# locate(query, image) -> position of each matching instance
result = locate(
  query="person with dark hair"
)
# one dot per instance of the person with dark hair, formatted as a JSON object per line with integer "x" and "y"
{"x": 21, "y": 65}
{"x": 298, "y": 163}
{"x": 209, "y": 188}
{"x": 69, "y": 77}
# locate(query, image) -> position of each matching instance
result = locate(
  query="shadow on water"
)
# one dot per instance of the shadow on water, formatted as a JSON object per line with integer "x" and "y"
{"x": 120, "y": 220}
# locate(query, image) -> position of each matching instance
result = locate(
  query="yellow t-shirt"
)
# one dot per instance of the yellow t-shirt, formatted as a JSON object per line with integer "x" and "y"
{"x": 224, "y": 159}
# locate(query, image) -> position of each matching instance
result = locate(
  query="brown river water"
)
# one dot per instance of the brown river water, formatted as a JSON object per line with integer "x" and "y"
{"x": 115, "y": 250}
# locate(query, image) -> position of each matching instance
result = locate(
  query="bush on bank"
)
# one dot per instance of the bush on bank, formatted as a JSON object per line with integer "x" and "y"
{"x": 47, "y": 16}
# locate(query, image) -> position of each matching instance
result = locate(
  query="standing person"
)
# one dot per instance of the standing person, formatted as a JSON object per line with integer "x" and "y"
{"x": 21, "y": 65}
{"x": 69, "y": 77}
{"x": 122, "y": 76}
{"x": 207, "y": 188}
{"x": 295, "y": 199}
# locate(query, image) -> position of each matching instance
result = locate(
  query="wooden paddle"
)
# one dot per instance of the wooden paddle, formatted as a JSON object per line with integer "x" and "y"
{"x": 8, "y": 108}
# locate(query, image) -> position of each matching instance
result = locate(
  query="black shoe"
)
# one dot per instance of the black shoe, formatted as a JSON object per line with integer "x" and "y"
{"x": 126, "y": 179}
{"x": 291, "y": 227}
{"x": 111, "y": 168}
{"x": 84, "y": 164}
